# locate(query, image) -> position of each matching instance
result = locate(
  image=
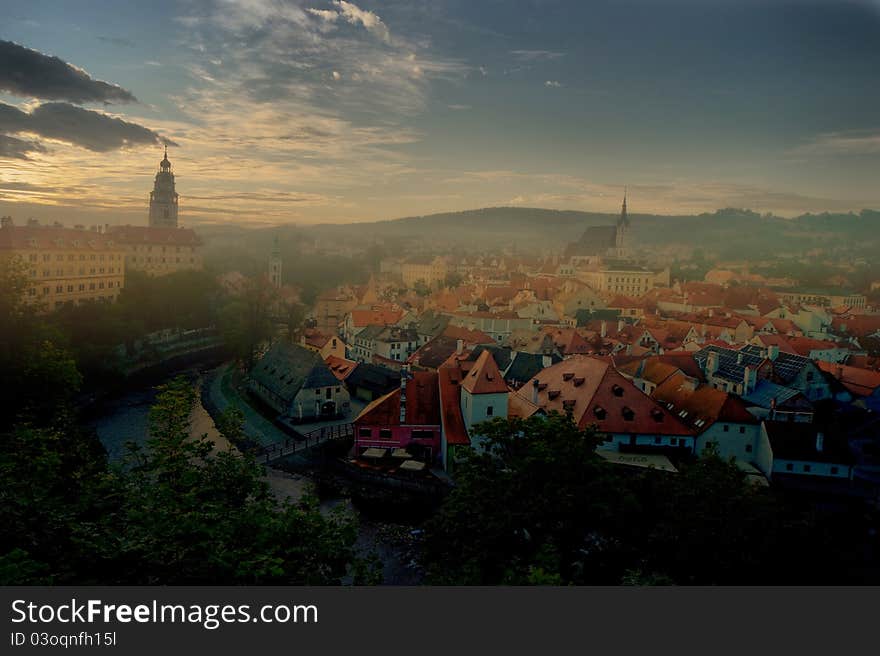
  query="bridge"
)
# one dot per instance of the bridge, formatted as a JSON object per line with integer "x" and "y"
{"x": 269, "y": 453}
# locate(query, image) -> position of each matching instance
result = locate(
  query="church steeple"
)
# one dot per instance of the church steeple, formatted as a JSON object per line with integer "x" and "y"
{"x": 622, "y": 227}
{"x": 624, "y": 219}
{"x": 163, "y": 198}
{"x": 275, "y": 264}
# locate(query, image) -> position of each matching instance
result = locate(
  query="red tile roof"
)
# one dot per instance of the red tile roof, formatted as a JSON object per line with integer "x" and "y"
{"x": 597, "y": 394}
{"x": 861, "y": 382}
{"x": 340, "y": 367}
{"x": 155, "y": 236}
{"x": 52, "y": 238}
{"x": 450, "y": 407}
{"x": 484, "y": 376}
{"x": 422, "y": 404}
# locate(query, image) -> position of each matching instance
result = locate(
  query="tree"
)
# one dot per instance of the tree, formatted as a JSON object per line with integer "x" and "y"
{"x": 421, "y": 287}
{"x": 192, "y": 515}
{"x": 538, "y": 506}
{"x": 245, "y": 320}
{"x": 453, "y": 280}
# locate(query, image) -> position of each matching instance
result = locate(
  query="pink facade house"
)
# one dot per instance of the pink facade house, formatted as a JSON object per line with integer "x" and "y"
{"x": 407, "y": 418}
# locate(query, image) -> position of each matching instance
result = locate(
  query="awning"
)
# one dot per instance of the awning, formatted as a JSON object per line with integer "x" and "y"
{"x": 412, "y": 465}
{"x": 647, "y": 460}
{"x": 400, "y": 453}
{"x": 374, "y": 452}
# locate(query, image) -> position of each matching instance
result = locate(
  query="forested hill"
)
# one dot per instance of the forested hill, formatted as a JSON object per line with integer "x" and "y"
{"x": 723, "y": 231}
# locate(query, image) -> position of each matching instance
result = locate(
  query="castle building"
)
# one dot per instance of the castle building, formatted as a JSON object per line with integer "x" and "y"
{"x": 163, "y": 198}
{"x": 162, "y": 247}
{"x": 64, "y": 266}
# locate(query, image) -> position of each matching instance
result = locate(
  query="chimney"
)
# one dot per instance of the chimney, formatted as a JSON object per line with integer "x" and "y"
{"x": 620, "y": 324}
{"x": 750, "y": 379}
{"x": 739, "y": 358}
{"x": 711, "y": 313}
{"x": 820, "y": 441}
{"x": 604, "y": 329}
{"x": 535, "y": 385}
{"x": 459, "y": 346}
{"x": 772, "y": 352}
{"x": 546, "y": 361}
{"x": 689, "y": 384}
{"x": 712, "y": 362}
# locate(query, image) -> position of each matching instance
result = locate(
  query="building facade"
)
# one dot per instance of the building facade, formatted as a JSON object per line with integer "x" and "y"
{"x": 159, "y": 251}
{"x": 65, "y": 266}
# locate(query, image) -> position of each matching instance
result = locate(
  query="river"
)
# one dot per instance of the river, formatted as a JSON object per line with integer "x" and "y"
{"x": 125, "y": 418}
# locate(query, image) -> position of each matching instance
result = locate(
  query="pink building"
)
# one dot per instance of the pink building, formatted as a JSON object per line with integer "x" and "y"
{"x": 407, "y": 418}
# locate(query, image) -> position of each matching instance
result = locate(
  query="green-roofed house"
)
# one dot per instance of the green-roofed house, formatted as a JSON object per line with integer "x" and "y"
{"x": 297, "y": 383}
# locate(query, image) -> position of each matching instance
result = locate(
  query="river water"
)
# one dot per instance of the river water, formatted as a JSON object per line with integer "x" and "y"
{"x": 125, "y": 419}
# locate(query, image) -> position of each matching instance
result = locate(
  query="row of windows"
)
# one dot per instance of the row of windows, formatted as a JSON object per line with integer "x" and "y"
{"x": 80, "y": 287}
{"x": 149, "y": 249}
{"x": 149, "y": 260}
{"x": 33, "y": 257}
{"x": 385, "y": 434}
{"x": 807, "y": 468}
{"x": 47, "y": 273}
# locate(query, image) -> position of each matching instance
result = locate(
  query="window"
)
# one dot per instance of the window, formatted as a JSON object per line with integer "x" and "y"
{"x": 742, "y": 430}
{"x": 490, "y": 411}
{"x": 789, "y": 467}
{"x": 385, "y": 433}
{"x": 365, "y": 432}
{"x": 726, "y": 428}
{"x": 834, "y": 470}
{"x": 658, "y": 439}
{"x": 807, "y": 468}
{"x": 748, "y": 448}
{"x": 674, "y": 441}
{"x": 329, "y": 393}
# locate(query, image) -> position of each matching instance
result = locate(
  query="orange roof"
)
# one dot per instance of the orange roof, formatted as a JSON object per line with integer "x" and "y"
{"x": 450, "y": 407}
{"x": 484, "y": 376}
{"x": 861, "y": 382}
{"x": 422, "y": 404}
{"x": 53, "y": 238}
{"x": 340, "y": 367}
{"x": 157, "y": 236}
{"x": 375, "y": 317}
{"x": 467, "y": 335}
{"x": 595, "y": 393}
{"x": 702, "y": 406}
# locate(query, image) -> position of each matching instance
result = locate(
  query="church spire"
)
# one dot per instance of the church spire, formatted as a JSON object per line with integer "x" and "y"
{"x": 624, "y": 219}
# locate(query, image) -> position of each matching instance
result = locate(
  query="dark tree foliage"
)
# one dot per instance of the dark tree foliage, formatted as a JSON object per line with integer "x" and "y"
{"x": 180, "y": 512}
{"x": 540, "y": 507}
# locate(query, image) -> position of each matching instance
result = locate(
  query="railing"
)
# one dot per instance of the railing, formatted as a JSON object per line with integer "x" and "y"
{"x": 277, "y": 450}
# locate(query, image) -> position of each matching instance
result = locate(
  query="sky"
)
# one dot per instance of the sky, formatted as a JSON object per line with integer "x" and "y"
{"x": 316, "y": 111}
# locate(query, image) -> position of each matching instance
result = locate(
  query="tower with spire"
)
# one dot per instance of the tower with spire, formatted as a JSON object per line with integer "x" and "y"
{"x": 275, "y": 265}
{"x": 622, "y": 228}
{"x": 163, "y": 198}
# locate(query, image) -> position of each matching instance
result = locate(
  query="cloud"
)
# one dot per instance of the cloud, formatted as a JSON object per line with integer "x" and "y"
{"x": 553, "y": 84}
{"x": 354, "y": 15}
{"x": 459, "y": 108}
{"x": 12, "y": 148}
{"x": 31, "y": 74}
{"x": 842, "y": 143}
{"x": 536, "y": 55}
{"x": 89, "y": 129}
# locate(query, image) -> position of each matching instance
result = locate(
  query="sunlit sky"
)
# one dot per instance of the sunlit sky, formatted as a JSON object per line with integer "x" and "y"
{"x": 306, "y": 111}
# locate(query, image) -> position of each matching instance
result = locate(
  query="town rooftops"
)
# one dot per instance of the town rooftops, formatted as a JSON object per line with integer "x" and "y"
{"x": 702, "y": 406}
{"x": 860, "y": 382}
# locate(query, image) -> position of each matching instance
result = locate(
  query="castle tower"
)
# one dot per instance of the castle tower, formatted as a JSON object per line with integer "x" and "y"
{"x": 163, "y": 198}
{"x": 275, "y": 265}
{"x": 622, "y": 228}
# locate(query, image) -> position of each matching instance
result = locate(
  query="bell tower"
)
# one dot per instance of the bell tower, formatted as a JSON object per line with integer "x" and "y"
{"x": 163, "y": 198}
{"x": 275, "y": 265}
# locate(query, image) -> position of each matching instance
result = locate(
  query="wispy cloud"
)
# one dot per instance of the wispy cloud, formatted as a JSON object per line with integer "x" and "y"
{"x": 842, "y": 143}
{"x": 536, "y": 55}
{"x": 553, "y": 84}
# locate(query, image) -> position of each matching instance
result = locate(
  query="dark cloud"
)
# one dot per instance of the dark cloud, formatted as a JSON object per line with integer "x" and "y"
{"x": 13, "y": 148}
{"x": 82, "y": 127}
{"x": 31, "y": 74}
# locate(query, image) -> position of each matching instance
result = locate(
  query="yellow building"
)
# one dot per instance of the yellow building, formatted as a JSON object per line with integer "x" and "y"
{"x": 65, "y": 265}
{"x": 159, "y": 251}
{"x": 430, "y": 270}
